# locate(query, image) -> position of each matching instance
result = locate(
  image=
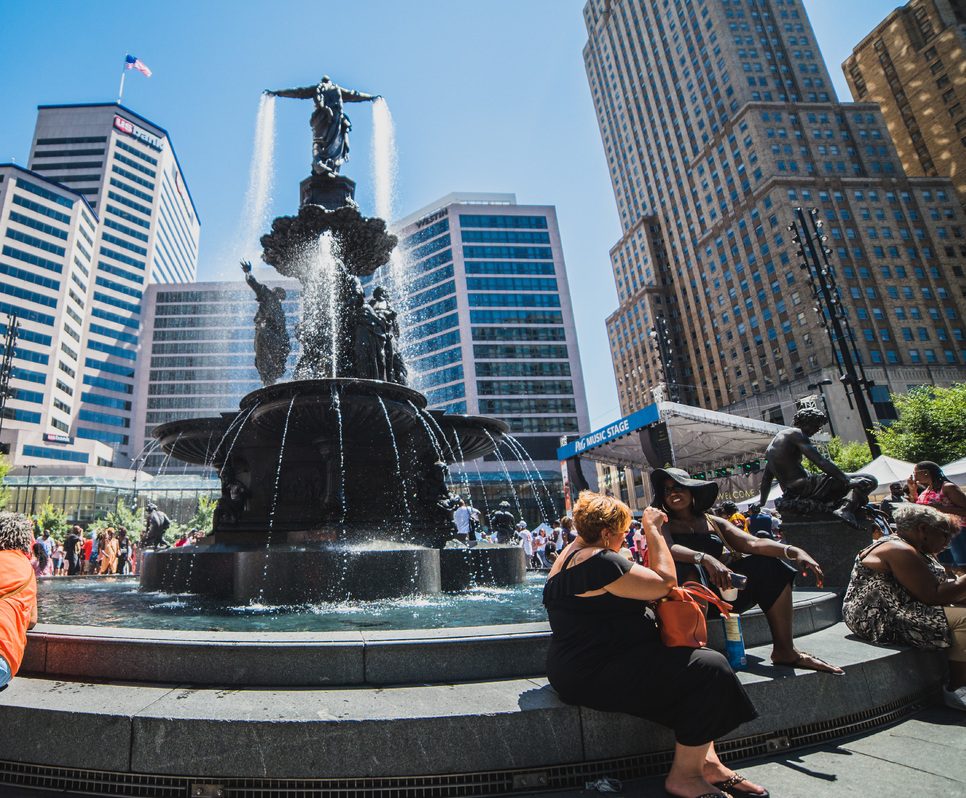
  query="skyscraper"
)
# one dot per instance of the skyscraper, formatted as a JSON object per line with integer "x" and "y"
{"x": 490, "y": 328}
{"x": 102, "y": 212}
{"x": 717, "y": 120}
{"x": 911, "y": 64}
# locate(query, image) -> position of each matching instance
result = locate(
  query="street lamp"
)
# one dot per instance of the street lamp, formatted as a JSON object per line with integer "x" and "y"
{"x": 814, "y": 254}
{"x": 812, "y": 386}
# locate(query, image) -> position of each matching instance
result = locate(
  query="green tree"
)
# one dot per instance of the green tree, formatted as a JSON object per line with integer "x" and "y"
{"x": 204, "y": 516}
{"x": 931, "y": 425}
{"x": 130, "y": 518}
{"x": 849, "y": 456}
{"x": 4, "y": 490}
{"x": 52, "y": 519}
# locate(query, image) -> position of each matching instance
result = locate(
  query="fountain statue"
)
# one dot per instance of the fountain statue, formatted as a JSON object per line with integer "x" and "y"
{"x": 271, "y": 336}
{"x": 833, "y": 491}
{"x": 341, "y": 471}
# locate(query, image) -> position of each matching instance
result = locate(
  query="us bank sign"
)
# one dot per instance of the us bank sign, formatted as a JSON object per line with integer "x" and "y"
{"x": 128, "y": 127}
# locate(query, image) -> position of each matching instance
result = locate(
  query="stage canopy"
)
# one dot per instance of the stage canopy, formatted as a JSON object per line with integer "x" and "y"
{"x": 694, "y": 439}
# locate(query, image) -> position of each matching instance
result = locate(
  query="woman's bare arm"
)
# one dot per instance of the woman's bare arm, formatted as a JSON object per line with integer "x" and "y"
{"x": 912, "y": 573}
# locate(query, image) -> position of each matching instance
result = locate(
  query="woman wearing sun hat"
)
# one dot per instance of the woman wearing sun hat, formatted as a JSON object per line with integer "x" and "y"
{"x": 702, "y": 541}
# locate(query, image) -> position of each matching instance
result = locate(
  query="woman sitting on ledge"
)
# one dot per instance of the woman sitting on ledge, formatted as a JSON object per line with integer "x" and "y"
{"x": 602, "y": 641}
{"x": 717, "y": 546}
{"x": 899, "y": 593}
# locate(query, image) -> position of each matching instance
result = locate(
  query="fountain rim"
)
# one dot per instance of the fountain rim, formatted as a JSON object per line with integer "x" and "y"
{"x": 320, "y": 388}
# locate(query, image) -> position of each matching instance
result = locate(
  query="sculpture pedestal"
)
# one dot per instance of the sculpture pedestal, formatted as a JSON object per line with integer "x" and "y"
{"x": 329, "y": 191}
{"x": 832, "y": 543}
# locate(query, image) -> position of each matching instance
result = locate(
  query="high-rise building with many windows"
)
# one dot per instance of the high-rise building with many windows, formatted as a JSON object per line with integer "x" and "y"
{"x": 489, "y": 330}
{"x": 912, "y": 65}
{"x": 197, "y": 357}
{"x": 102, "y": 212}
{"x": 718, "y": 119}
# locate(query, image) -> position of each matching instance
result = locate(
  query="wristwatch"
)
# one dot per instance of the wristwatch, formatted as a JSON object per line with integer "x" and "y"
{"x": 698, "y": 556}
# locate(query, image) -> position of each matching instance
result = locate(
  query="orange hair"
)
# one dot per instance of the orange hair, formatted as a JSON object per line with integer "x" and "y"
{"x": 595, "y": 512}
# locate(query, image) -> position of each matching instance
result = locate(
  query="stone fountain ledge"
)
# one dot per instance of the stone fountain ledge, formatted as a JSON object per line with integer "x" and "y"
{"x": 406, "y": 731}
{"x": 312, "y": 659}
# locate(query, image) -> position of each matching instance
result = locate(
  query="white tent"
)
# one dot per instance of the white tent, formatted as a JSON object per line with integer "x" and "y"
{"x": 956, "y": 471}
{"x": 887, "y": 470}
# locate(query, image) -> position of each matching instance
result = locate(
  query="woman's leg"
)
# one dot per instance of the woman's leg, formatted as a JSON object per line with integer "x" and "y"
{"x": 956, "y": 618}
{"x": 783, "y": 652}
{"x": 686, "y": 777}
{"x": 716, "y": 772}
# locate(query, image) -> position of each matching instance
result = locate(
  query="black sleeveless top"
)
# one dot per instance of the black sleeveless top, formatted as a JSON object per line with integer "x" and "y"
{"x": 589, "y": 631}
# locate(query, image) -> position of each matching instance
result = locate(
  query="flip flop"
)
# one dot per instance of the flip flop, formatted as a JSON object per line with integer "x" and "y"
{"x": 728, "y": 786}
{"x": 801, "y": 661}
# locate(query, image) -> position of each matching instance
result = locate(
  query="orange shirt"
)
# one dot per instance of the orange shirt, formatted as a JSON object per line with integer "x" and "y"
{"x": 16, "y": 611}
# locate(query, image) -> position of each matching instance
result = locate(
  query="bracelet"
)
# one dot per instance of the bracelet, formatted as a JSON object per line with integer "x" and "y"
{"x": 785, "y": 553}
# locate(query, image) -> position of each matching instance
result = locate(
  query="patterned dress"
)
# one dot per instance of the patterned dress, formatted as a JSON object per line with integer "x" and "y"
{"x": 879, "y": 609}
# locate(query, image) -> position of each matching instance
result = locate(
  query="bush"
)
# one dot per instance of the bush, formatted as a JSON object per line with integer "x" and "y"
{"x": 52, "y": 519}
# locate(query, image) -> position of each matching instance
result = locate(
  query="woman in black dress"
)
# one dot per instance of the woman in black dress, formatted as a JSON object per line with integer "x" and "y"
{"x": 603, "y": 641}
{"x": 707, "y": 546}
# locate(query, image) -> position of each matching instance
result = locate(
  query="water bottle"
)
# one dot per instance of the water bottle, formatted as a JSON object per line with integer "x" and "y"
{"x": 734, "y": 642}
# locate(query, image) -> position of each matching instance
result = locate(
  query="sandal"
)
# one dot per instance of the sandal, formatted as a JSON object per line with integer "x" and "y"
{"x": 705, "y": 795}
{"x": 807, "y": 661}
{"x": 728, "y": 787}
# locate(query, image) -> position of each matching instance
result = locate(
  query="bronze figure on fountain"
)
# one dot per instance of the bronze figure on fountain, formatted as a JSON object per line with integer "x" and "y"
{"x": 330, "y": 125}
{"x": 832, "y": 491}
{"x": 272, "y": 345}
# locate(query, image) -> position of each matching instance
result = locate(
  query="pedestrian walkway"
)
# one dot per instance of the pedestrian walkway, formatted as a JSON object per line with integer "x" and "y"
{"x": 921, "y": 755}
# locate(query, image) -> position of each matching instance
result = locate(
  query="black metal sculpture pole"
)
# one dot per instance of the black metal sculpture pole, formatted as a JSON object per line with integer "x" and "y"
{"x": 662, "y": 338}
{"x": 819, "y": 270}
{"x": 6, "y": 366}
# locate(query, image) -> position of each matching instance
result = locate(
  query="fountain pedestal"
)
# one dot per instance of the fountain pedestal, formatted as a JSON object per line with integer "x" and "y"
{"x": 313, "y": 473}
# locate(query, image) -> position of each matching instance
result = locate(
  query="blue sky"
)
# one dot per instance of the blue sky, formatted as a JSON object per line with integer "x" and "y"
{"x": 485, "y": 97}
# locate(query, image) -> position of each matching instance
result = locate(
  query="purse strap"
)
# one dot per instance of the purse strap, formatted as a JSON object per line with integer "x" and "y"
{"x": 699, "y": 591}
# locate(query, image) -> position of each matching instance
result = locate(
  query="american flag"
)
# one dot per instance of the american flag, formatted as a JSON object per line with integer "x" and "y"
{"x": 131, "y": 62}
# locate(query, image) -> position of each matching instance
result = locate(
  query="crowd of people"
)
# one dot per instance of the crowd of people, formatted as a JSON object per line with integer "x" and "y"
{"x": 101, "y": 551}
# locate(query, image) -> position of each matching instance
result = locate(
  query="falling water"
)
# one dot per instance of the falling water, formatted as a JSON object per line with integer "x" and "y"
{"x": 431, "y": 435}
{"x": 255, "y": 215}
{"x": 271, "y": 514}
{"x": 395, "y": 449}
{"x": 383, "y": 159}
{"x": 167, "y": 456}
{"x": 337, "y": 406}
{"x": 506, "y": 472}
{"x": 533, "y": 485}
{"x": 384, "y": 169}
{"x": 523, "y": 455}
{"x": 479, "y": 476}
{"x": 235, "y": 439}
{"x": 329, "y": 270}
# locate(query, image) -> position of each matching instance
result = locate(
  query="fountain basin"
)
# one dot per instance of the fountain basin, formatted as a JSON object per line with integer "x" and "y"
{"x": 286, "y": 574}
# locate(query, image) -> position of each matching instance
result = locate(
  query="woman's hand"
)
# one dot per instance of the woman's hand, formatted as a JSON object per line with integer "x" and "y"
{"x": 805, "y": 561}
{"x": 653, "y": 517}
{"x": 719, "y": 574}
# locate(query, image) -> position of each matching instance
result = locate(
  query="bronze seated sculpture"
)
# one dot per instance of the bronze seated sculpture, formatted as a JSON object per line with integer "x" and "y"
{"x": 831, "y": 491}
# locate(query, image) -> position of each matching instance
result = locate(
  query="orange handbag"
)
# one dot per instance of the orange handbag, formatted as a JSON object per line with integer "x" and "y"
{"x": 680, "y": 619}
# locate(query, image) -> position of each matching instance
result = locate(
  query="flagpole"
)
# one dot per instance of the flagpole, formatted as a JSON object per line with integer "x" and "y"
{"x": 120, "y": 90}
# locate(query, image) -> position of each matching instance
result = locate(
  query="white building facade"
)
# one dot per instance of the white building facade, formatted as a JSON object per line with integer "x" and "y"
{"x": 115, "y": 215}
